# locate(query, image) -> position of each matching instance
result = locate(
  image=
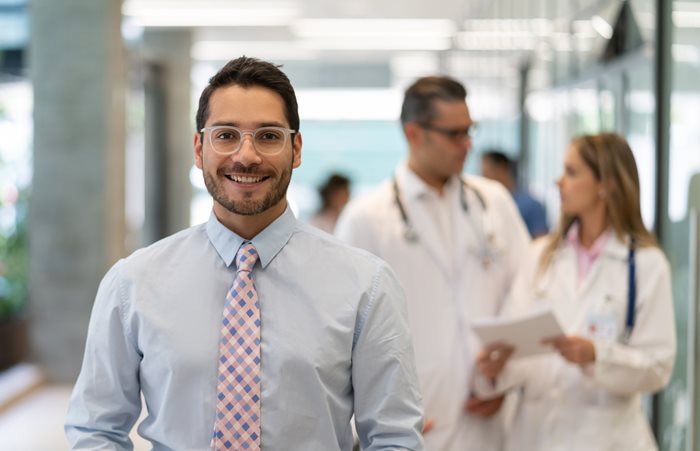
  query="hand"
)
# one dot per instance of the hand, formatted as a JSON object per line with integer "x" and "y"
{"x": 427, "y": 425}
{"x": 575, "y": 349}
{"x": 483, "y": 407}
{"x": 493, "y": 358}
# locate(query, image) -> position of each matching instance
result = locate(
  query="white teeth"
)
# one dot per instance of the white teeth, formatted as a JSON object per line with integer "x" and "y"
{"x": 239, "y": 179}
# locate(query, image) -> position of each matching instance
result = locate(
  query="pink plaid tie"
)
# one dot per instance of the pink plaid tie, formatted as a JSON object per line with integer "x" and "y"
{"x": 238, "y": 390}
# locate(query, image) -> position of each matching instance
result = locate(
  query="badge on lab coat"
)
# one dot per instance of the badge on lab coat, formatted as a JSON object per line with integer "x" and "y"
{"x": 602, "y": 326}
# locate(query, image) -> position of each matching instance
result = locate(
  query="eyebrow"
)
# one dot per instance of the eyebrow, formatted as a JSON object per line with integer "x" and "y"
{"x": 258, "y": 125}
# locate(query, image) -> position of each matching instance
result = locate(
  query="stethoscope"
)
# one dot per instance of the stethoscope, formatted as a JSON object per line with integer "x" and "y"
{"x": 411, "y": 234}
{"x": 631, "y": 291}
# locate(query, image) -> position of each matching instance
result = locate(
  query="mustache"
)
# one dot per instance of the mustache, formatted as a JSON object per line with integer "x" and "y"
{"x": 240, "y": 169}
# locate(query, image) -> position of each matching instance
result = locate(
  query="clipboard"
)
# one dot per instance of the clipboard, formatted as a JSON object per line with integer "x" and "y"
{"x": 524, "y": 333}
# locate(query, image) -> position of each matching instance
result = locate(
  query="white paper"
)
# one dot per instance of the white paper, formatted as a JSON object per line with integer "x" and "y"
{"x": 524, "y": 333}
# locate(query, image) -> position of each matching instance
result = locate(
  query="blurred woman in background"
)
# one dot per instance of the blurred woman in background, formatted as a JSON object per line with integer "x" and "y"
{"x": 607, "y": 281}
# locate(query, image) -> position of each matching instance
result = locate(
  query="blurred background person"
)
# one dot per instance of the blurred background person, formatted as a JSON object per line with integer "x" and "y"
{"x": 455, "y": 243}
{"x": 496, "y": 165}
{"x": 335, "y": 194}
{"x": 609, "y": 284}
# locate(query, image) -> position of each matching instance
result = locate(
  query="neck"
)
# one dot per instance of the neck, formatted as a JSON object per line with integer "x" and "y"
{"x": 248, "y": 226}
{"x": 437, "y": 183}
{"x": 592, "y": 226}
{"x": 510, "y": 185}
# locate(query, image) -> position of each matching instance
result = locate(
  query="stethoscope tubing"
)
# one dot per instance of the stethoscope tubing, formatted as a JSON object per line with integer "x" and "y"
{"x": 410, "y": 233}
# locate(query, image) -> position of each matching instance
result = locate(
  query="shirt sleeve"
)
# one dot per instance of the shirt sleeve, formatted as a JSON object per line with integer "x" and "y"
{"x": 106, "y": 401}
{"x": 645, "y": 363}
{"x": 388, "y": 410}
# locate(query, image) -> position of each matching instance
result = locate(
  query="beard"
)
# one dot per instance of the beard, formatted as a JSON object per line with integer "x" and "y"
{"x": 248, "y": 206}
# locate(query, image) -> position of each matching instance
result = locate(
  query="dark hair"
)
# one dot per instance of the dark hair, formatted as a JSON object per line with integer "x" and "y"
{"x": 247, "y": 72}
{"x": 419, "y": 97}
{"x": 498, "y": 158}
{"x": 334, "y": 183}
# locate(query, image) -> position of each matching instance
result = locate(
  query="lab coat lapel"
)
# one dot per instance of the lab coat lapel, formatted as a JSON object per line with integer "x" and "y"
{"x": 430, "y": 237}
{"x": 567, "y": 303}
{"x": 411, "y": 190}
{"x": 614, "y": 250}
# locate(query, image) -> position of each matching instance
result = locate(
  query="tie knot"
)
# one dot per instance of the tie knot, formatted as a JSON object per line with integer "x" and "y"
{"x": 246, "y": 257}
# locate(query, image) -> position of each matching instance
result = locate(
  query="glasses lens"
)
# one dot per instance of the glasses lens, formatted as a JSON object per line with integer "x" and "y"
{"x": 270, "y": 140}
{"x": 225, "y": 140}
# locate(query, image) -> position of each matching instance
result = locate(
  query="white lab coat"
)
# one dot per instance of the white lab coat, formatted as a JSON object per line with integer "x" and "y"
{"x": 564, "y": 407}
{"x": 445, "y": 288}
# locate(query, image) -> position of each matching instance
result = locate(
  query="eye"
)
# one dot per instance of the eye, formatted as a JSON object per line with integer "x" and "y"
{"x": 226, "y": 134}
{"x": 269, "y": 135}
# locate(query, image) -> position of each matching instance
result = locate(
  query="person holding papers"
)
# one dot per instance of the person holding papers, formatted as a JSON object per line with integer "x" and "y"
{"x": 607, "y": 281}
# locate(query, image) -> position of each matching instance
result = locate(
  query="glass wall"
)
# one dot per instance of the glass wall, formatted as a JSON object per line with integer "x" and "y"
{"x": 617, "y": 96}
{"x": 678, "y": 406}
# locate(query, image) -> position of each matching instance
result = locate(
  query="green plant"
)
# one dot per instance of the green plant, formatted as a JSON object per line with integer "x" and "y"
{"x": 14, "y": 259}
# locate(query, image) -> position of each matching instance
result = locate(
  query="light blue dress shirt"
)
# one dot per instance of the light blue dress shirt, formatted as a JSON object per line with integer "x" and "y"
{"x": 335, "y": 342}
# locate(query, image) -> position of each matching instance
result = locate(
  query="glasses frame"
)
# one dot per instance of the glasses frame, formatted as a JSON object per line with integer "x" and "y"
{"x": 288, "y": 132}
{"x": 453, "y": 134}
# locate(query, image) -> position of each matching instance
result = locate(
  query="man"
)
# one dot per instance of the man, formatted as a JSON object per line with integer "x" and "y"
{"x": 335, "y": 194}
{"x": 311, "y": 331}
{"x": 496, "y": 165}
{"x": 454, "y": 244}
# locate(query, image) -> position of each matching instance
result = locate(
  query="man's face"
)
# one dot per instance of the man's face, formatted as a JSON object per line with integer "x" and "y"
{"x": 439, "y": 155}
{"x": 247, "y": 182}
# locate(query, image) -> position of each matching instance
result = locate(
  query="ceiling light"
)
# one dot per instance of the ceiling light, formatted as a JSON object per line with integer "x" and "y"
{"x": 161, "y": 13}
{"x": 686, "y": 19}
{"x": 268, "y": 50}
{"x": 602, "y": 27}
{"x": 375, "y": 28}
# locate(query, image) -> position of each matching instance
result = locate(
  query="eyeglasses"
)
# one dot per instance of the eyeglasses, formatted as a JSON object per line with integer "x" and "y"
{"x": 454, "y": 134}
{"x": 227, "y": 140}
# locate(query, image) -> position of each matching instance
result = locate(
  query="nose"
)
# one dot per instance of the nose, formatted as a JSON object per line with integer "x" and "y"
{"x": 465, "y": 142}
{"x": 247, "y": 154}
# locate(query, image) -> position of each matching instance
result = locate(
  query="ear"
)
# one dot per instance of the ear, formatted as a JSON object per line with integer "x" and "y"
{"x": 198, "y": 149}
{"x": 413, "y": 133}
{"x": 296, "y": 150}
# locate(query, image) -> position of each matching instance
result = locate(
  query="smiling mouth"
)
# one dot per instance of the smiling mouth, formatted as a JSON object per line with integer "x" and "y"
{"x": 245, "y": 179}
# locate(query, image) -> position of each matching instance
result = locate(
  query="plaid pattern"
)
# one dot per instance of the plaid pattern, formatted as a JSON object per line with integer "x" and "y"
{"x": 237, "y": 424}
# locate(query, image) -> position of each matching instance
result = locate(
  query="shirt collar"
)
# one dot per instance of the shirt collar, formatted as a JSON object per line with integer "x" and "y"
{"x": 572, "y": 237}
{"x": 413, "y": 187}
{"x": 268, "y": 242}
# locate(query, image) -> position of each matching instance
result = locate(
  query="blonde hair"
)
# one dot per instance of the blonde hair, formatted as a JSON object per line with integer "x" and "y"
{"x": 610, "y": 158}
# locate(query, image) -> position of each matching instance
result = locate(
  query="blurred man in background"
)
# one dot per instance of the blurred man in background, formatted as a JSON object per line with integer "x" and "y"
{"x": 496, "y": 165}
{"x": 334, "y": 194}
{"x": 455, "y": 243}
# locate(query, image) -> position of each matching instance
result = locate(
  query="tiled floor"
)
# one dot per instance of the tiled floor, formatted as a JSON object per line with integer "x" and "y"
{"x": 35, "y": 422}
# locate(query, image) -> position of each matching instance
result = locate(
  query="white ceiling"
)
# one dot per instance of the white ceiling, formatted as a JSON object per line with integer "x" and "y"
{"x": 385, "y": 44}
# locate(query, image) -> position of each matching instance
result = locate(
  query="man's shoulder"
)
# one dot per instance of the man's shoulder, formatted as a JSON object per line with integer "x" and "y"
{"x": 333, "y": 250}
{"x": 168, "y": 248}
{"x": 372, "y": 198}
{"x": 491, "y": 190}
{"x": 524, "y": 198}
{"x": 365, "y": 210}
